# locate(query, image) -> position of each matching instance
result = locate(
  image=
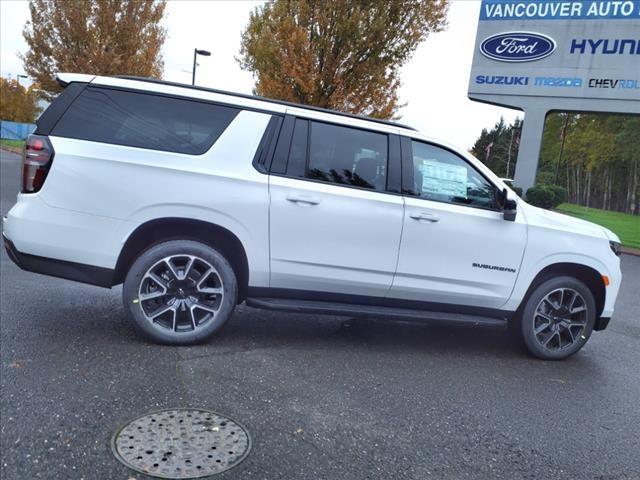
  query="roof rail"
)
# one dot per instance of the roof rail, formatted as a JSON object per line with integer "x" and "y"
{"x": 265, "y": 99}
{"x": 65, "y": 79}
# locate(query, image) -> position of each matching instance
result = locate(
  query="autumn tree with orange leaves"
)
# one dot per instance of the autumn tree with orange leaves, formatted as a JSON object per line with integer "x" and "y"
{"x": 339, "y": 54}
{"x": 17, "y": 103}
{"x": 101, "y": 37}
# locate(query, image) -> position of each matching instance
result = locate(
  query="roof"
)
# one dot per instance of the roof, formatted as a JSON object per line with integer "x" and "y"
{"x": 66, "y": 78}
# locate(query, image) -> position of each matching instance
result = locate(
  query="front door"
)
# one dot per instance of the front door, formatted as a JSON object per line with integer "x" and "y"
{"x": 456, "y": 246}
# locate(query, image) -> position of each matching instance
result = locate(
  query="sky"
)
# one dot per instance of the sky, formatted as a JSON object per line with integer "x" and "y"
{"x": 434, "y": 81}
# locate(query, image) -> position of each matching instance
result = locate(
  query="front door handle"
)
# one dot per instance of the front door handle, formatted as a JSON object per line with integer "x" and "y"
{"x": 429, "y": 217}
{"x": 303, "y": 199}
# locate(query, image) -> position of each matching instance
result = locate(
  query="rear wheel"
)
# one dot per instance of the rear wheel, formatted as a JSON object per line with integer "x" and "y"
{"x": 180, "y": 292}
{"x": 557, "y": 319}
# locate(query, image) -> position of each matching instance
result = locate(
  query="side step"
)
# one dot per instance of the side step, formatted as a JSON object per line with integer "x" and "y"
{"x": 345, "y": 309}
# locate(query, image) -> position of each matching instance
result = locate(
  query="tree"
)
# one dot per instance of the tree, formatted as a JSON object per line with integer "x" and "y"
{"x": 498, "y": 148}
{"x": 595, "y": 157}
{"x": 101, "y": 37}
{"x": 17, "y": 104}
{"x": 339, "y": 54}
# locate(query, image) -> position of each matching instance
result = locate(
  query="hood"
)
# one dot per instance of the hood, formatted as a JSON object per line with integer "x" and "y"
{"x": 558, "y": 221}
{"x": 611, "y": 236}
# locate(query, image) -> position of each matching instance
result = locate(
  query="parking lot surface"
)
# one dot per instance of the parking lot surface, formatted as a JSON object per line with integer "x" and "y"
{"x": 322, "y": 397}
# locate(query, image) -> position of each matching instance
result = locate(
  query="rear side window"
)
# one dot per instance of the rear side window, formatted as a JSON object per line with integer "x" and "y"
{"x": 337, "y": 154}
{"x": 145, "y": 121}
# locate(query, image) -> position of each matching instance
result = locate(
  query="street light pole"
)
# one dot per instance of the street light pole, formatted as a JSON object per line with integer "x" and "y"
{"x": 196, "y": 52}
{"x": 193, "y": 72}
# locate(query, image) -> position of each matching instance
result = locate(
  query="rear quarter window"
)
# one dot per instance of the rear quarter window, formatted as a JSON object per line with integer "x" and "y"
{"x": 145, "y": 121}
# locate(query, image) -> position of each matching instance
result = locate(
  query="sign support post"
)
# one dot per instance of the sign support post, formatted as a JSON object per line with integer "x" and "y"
{"x": 530, "y": 145}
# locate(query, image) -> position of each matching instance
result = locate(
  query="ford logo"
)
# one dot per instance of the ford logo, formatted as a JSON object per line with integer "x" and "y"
{"x": 517, "y": 46}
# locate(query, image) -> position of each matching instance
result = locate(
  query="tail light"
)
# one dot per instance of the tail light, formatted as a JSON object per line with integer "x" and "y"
{"x": 36, "y": 161}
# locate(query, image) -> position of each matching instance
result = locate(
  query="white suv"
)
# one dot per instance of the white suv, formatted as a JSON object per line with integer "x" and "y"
{"x": 198, "y": 200}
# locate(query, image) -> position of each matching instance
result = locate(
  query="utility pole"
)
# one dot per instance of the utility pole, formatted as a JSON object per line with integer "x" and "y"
{"x": 513, "y": 130}
{"x": 563, "y": 135}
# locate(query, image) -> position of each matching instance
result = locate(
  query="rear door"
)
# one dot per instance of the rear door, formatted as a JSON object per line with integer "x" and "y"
{"x": 456, "y": 246}
{"x": 335, "y": 212}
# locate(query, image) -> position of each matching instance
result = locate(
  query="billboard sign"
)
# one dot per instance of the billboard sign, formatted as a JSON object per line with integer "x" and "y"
{"x": 577, "y": 49}
{"x": 542, "y": 55}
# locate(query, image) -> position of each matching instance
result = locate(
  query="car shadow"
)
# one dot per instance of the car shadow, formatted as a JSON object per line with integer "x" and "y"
{"x": 267, "y": 329}
{"x": 253, "y": 329}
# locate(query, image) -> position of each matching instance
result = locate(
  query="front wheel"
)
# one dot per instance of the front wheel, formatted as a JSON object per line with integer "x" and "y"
{"x": 557, "y": 319}
{"x": 179, "y": 292}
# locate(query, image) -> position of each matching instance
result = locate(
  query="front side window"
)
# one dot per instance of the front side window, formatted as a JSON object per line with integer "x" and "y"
{"x": 342, "y": 155}
{"x": 443, "y": 176}
{"x": 145, "y": 121}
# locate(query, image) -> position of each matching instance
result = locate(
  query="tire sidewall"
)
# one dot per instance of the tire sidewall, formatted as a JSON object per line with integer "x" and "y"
{"x": 527, "y": 318}
{"x": 178, "y": 247}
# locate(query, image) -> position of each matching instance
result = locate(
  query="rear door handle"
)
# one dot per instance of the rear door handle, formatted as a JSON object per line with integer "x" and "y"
{"x": 429, "y": 217}
{"x": 303, "y": 199}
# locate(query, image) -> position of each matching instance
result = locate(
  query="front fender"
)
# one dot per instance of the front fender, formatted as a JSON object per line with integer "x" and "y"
{"x": 530, "y": 272}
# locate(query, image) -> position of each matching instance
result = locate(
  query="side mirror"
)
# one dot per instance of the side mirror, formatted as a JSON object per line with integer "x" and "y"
{"x": 508, "y": 206}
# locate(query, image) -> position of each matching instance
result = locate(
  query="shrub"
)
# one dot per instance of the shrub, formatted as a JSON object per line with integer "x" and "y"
{"x": 541, "y": 196}
{"x": 559, "y": 194}
{"x": 547, "y": 196}
{"x": 518, "y": 191}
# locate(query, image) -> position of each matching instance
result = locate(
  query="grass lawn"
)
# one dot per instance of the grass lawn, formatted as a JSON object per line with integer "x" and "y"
{"x": 627, "y": 227}
{"x": 12, "y": 143}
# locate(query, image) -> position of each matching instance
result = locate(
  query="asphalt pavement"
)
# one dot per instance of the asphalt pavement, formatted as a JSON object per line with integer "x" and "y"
{"x": 322, "y": 397}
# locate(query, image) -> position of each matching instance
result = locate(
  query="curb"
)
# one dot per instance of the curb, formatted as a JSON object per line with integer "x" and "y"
{"x": 11, "y": 149}
{"x": 631, "y": 251}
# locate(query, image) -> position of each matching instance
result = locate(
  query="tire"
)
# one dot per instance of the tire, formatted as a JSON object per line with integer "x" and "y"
{"x": 179, "y": 292}
{"x": 557, "y": 318}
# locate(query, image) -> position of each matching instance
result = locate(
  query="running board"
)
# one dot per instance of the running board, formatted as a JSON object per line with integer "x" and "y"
{"x": 345, "y": 309}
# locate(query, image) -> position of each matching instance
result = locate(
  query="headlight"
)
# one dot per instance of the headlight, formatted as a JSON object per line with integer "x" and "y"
{"x": 615, "y": 247}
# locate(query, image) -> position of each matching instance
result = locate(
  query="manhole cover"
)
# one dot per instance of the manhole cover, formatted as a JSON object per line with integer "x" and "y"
{"x": 181, "y": 443}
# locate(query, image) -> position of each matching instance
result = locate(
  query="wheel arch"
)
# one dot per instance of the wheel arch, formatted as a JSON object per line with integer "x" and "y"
{"x": 586, "y": 274}
{"x": 160, "y": 230}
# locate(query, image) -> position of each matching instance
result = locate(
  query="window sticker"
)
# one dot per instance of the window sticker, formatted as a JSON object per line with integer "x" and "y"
{"x": 443, "y": 178}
